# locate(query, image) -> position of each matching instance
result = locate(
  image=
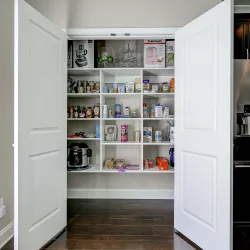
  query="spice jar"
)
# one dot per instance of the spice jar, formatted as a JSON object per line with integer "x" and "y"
{"x": 89, "y": 112}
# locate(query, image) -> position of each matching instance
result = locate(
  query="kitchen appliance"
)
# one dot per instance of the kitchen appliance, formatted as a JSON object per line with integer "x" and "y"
{"x": 79, "y": 155}
{"x": 81, "y": 59}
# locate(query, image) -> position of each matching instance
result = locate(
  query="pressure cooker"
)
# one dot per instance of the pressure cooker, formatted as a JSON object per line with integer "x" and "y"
{"x": 79, "y": 155}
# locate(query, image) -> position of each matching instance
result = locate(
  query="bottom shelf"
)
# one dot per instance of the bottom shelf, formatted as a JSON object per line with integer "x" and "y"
{"x": 92, "y": 169}
{"x": 96, "y": 169}
{"x": 156, "y": 170}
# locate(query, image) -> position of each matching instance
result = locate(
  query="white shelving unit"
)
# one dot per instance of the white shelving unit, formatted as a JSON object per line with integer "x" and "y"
{"x": 133, "y": 152}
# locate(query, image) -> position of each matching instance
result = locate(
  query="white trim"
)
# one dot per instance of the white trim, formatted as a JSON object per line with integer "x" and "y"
{"x": 120, "y": 193}
{"x": 242, "y": 9}
{"x": 6, "y": 234}
{"x": 121, "y": 33}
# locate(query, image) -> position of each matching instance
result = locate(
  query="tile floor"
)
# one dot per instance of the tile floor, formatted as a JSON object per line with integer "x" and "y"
{"x": 120, "y": 225}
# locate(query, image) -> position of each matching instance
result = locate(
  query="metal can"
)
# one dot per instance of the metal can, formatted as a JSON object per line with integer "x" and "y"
{"x": 150, "y": 163}
{"x": 158, "y": 136}
{"x": 124, "y": 133}
{"x": 166, "y": 112}
{"x": 105, "y": 111}
{"x": 117, "y": 110}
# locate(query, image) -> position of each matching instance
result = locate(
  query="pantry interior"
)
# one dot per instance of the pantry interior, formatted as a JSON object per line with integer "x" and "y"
{"x": 141, "y": 178}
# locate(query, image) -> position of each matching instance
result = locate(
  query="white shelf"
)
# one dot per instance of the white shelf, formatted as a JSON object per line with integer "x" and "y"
{"x": 121, "y": 71}
{"x": 83, "y": 72}
{"x": 158, "y": 119}
{"x": 158, "y": 95}
{"x": 83, "y": 139}
{"x": 121, "y": 143}
{"x": 121, "y": 119}
{"x": 158, "y": 71}
{"x": 156, "y": 170}
{"x": 93, "y": 169}
{"x": 158, "y": 143}
{"x": 83, "y": 119}
{"x": 115, "y": 171}
{"x": 119, "y": 95}
{"x": 83, "y": 95}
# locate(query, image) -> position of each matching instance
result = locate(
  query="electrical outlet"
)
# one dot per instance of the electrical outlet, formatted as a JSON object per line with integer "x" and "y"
{"x": 2, "y": 211}
{"x": 1, "y": 202}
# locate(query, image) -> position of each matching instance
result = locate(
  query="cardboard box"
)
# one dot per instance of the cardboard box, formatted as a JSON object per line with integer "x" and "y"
{"x": 154, "y": 53}
{"x": 170, "y": 50}
{"x": 83, "y": 54}
{"x": 130, "y": 87}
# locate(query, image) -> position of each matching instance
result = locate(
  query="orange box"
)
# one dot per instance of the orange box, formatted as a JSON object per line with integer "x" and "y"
{"x": 162, "y": 163}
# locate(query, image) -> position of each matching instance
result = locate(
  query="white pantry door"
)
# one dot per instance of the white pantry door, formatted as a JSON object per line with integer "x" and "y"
{"x": 203, "y": 128}
{"x": 40, "y": 144}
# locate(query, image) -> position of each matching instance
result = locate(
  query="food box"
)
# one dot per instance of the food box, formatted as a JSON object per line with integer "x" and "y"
{"x": 162, "y": 163}
{"x": 130, "y": 87}
{"x": 154, "y": 53}
{"x": 83, "y": 54}
{"x": 170, "y": 49}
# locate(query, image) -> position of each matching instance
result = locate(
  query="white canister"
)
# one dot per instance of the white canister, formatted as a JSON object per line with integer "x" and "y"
{"x": 172, "y": 134}
{"x": 158, "y": 111}
{"x": 105, "y": 111}
{"x": 158, "y": 136}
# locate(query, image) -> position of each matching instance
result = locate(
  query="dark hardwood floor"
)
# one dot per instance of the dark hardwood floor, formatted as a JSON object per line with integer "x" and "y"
{"x": 120, "y": 225}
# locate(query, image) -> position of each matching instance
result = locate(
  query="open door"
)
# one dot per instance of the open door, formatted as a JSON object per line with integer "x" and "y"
{"x": 203, "y": 128}
{"x": 40, "y": 129}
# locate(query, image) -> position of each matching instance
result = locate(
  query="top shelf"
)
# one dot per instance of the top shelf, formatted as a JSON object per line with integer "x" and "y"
{"x": 83, "y": 72}
{"x": 158, "y": 72}
{"x": 107, "y": 72}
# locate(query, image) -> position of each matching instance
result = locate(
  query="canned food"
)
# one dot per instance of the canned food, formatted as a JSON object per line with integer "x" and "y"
{"x": 146, "y": 163}
{"x": 150, "y": 163}
{"x": 124, "y": 133}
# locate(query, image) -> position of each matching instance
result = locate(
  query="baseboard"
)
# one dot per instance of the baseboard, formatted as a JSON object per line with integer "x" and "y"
{"x": 120, "y": 193}
{"x": 6, "y": 234}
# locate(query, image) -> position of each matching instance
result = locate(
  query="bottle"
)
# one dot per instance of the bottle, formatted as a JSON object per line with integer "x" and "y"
{"x": 145, "y": 110}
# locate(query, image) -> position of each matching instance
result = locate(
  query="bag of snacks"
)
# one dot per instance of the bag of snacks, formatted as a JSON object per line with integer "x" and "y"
{"x": 110, "y": 163}
{"x": 120, "y": 163}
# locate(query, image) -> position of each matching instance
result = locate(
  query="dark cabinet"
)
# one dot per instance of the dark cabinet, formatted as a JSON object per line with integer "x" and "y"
{"x": 242, "y": 36}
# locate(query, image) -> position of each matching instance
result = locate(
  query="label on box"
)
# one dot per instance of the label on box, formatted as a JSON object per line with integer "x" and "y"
{"x": 130, "y": 87}
{"x": 154, "y": 53}
{"x": 83, "y": 54}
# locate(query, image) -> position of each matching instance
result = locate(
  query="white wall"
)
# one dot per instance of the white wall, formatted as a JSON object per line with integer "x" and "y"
{"x": 7, "y": 112}
{"x": 116, "y": 13}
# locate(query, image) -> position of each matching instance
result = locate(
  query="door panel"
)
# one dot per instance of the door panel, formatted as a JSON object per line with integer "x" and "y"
{"x": 203, "y": 128}
{"x": 42, "y": 177}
